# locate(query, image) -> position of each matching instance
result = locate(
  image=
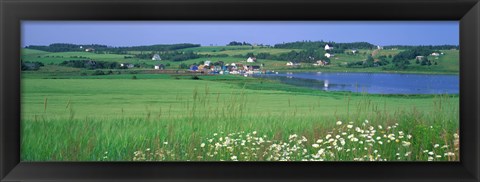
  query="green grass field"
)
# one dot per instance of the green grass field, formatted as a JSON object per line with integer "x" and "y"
{"x": 171, "y": 119}
{"x": 58, "y": 57}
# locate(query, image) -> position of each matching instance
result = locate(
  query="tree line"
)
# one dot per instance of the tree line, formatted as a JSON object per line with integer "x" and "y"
{"x": 65, "y": 47}
{"x": 235, "y": 43}
{"x": 431, "y": 47}
{"x": 321, "y": 44}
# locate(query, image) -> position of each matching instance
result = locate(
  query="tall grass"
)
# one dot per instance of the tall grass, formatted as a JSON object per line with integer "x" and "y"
{"x": 215, "y": 128}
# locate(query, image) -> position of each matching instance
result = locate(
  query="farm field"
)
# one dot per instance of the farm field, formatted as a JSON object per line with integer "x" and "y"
{"x": 147, "y": 119}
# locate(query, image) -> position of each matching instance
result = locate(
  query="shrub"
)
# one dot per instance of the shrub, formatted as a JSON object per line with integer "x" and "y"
{"x": 98, "y": 72}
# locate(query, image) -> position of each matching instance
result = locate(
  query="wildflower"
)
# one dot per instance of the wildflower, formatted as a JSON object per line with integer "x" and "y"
{"x": 349, "y": 126}
{"x": 165, "y": 143}
{"x": 328, "y": 136}
{"x": 436, "y": 146}
{"x": 449, "y": 154}
{"x": 339, "y": 122}
{"x": 202, "y": 145}
{"x": 430, "y": 158}
{"x": 405, "y": 143}
{"x": 357, "y": 129}
{"x": 234, "y": 158}
{"x": 254, "y": 132}
{"x": 430, "y": 153}
{"x": 319, "y": 141}
{"x": 366, "y": 121}
{"x": 409, "y": 136}
{"x": 380, "y": 127}
{"x": 455, "y": 136}
{"x": 292, "y": 136}
{"x": 315, "y": 145}
{"x": 321, "y": 151}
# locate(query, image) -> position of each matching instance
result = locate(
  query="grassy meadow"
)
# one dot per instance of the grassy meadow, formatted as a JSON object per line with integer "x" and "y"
{"x": 68, "y": 114}
{"x": 233, "y": 118}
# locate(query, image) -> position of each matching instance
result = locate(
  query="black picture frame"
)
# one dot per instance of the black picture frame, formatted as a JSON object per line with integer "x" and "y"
{"x": 12, "y": 12}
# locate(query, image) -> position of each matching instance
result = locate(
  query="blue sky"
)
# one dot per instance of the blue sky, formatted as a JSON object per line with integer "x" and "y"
{"x": 132, "y": 33}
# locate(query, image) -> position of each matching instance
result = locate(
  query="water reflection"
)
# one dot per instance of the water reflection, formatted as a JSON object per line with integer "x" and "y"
{"x": 378, "y": 83}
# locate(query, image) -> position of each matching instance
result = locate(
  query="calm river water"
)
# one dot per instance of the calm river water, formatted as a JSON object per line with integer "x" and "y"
{"x": 376, "y": 83}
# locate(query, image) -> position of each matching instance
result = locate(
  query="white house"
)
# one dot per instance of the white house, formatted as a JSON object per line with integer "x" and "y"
{"x": 89, "y": 50}
{"x": 379, "y": 47}
{"x": 127, "y": 65}
{"x": 207, "y": 63}
{"x": 156, "y": 57}
{"x": 420, "y": 58}
{"x": 354, "y": 51}
{"x": 290, "y": 63}
{"x": 435, "y": 54}
{"x": 328, "y": 47}
{"x": 251, "y": 60}
{"x": 328, "y": 55}
{"x": 320, "y": 63}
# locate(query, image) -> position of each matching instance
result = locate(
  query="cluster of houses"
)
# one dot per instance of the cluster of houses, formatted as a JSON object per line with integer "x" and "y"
{"x": 435, "y": 54}
{"x": 232, "y": 68}
{"x": 317, "y": 63}
{"x": 328, "y": 48}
